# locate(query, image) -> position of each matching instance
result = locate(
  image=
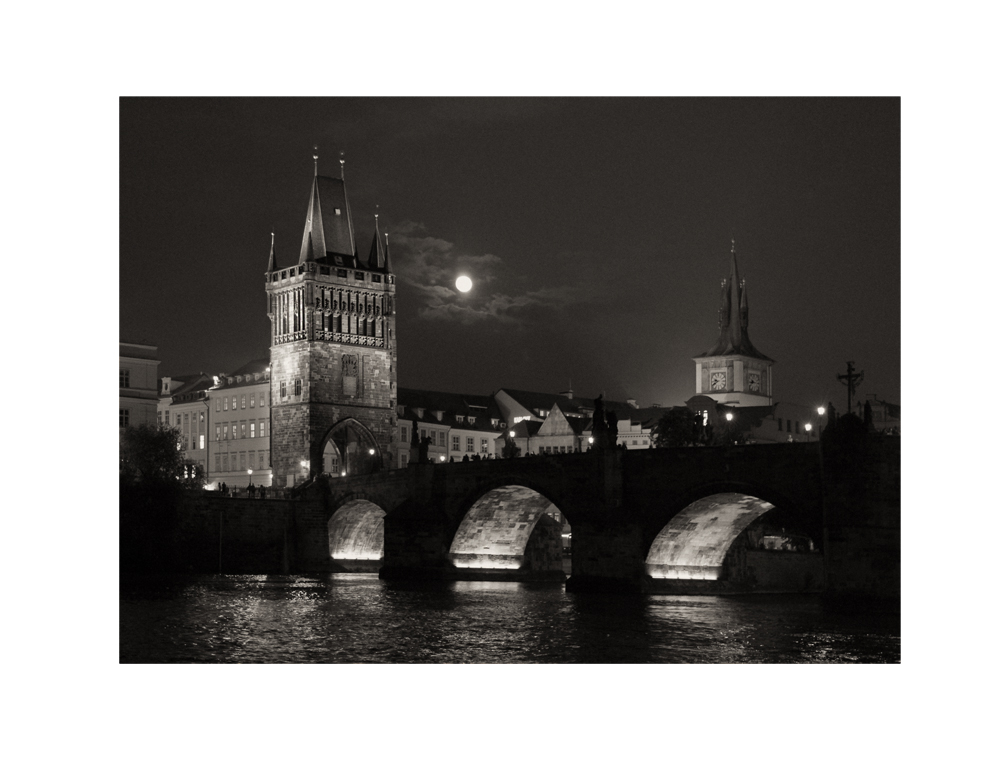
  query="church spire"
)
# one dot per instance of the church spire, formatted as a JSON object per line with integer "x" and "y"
{"x": 376, "y": 256}
{"x": 734, "y": 314}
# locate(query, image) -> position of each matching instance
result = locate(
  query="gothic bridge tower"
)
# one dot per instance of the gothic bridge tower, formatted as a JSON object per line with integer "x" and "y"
{"x": 733, "y": 371}
{"x": 333, "y": 346}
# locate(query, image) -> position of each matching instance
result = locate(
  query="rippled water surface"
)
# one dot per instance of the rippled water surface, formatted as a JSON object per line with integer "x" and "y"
{"x": 360, "y": 618}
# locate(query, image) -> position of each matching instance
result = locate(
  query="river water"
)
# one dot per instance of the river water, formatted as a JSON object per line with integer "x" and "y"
{"x": 360, "y": 618}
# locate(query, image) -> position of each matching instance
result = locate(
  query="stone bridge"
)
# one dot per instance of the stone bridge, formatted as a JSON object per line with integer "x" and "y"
{"x": 683, "y": 519}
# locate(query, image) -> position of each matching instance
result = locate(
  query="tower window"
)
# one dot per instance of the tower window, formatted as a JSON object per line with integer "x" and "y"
{"x": 359, "y": 276}
{"x": 298, "y": 386}
{"x": 291, "y": 273}
{"x": 341, "y": 274}
{"x": 284, "y": 274}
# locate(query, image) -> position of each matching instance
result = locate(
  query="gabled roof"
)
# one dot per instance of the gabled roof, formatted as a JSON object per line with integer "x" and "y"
{"x": 328, "y": 231}
{"x": 453, "y": 406}
{"x": 535, "y": 401}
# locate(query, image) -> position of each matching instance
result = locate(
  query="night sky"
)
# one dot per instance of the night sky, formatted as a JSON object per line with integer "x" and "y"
{"x": 596, "y": 232}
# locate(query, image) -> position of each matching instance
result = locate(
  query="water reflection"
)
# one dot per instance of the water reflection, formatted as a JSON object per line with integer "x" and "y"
{"x": 350, "y": 617}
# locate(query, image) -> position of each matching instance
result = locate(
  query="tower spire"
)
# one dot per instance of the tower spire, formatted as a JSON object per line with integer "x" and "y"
{"x": 272, "y": 263}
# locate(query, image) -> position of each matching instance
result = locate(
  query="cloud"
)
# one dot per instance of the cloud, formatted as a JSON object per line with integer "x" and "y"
{"x": 429, "y": 265}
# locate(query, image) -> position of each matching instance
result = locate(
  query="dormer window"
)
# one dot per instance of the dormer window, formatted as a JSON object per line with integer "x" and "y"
{"x": 472, "y": 420}
{"x": 419, "y": 412}
{"x": 460, "y": 419}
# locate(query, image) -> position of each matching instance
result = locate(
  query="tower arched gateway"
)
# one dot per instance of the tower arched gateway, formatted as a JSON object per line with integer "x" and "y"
{"x": 350, "y": 448}
{"x": 333, "y": 344}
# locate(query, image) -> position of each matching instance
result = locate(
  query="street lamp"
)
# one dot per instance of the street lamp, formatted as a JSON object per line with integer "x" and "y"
{"x": 729, "y": 417}
{"x": 249, "y": 477}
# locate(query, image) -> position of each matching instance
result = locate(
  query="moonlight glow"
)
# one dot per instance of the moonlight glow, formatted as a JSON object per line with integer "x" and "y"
{"x": 463, "y": 283}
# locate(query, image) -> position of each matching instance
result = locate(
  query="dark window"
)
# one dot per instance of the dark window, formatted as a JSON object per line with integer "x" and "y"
{"x": 283, "y": 392}
{"x": 298, "y": 386}
{"x": 291, "y": 273}
{"x": 359, "y": 276}
{"x": 284, "y": 274}
{"x": 376, "y": 278}
{"x": 796, "y": 428}
{"x": 323, "y": 270}
{"x": 123, "y": 417}
{"x": 341, "y": 274}
{"x": 302, "y": 268}
{"x": 779, "y": 425}
{"x": 123, "y": 378}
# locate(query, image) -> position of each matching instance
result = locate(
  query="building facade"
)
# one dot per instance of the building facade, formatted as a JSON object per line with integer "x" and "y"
{"x": 333, "y": 347}
{"x": 239, "y": 427}
{"x": 183, "y": 404}
{"x": 137, "y": 384}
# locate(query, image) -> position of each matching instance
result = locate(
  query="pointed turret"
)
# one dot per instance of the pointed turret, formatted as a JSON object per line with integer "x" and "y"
{"x": 734, "y": 314}
{"x": 272, "y": 263}
{"x": 328, "y": 232}
{"x": 376, "y": 256}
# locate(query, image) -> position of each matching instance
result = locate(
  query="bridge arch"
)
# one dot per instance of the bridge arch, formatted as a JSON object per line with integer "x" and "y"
{"x": 706, "y": 535}
{"x": 356, "y": 535}
{"x": 349, "y": 448}
{"x": 509, "y": 526}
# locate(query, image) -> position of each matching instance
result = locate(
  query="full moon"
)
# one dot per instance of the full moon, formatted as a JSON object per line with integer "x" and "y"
{"x": 463, "y": 283}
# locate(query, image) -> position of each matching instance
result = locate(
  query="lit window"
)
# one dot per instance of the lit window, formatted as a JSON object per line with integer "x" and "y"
{"x": 234, "y": 430}
{"x": 123, "y": 417}
{"x": 243, "y": 401}
{"x": 218, "y": 434}
{"x": 253, "y": 429}
{"x": 123, "y": 379}
{"x": 484, "y": 446}
{"x": 225, "y": 403}
{"x": 261, "y": 399}
{"x": 201, "y": 441}
{"x": 251, "y": 400}
{"x": 263, "y": 428}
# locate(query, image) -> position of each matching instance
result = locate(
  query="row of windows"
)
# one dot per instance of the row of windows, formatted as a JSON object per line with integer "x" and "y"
{"x": 223, "y": 431}
{"x": 244, "y": 460}
{"x": 224, "y": 403}
{"x": 325, "y": 271}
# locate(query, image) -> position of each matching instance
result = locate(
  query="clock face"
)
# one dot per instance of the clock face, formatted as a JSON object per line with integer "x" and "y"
{"x": 755, "y": 382}
{"x": 718, "y": 380}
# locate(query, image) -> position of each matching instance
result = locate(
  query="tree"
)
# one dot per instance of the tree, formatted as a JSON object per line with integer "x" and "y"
{"x": 677, "y": 427}
{"x": 150, "y": 455}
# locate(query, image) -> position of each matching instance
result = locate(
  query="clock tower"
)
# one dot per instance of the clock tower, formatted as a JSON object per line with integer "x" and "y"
{"x": 333, "y": 347}
{"x": 733, "y": 372}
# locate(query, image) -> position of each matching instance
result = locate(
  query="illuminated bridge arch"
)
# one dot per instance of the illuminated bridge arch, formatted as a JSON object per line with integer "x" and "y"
{"x": 356, "y": 533}
{"x": 511, "y": 527}
{"x": 699, "y": 540}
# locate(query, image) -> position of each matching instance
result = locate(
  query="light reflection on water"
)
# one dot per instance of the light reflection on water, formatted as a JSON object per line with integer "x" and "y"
{"x": 360, "y": 618}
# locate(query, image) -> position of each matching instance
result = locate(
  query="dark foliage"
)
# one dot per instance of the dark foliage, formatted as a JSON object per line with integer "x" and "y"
{"x": 678, "y": 427}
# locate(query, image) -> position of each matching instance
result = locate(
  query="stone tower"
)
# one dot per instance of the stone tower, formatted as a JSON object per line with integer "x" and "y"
{"x": 733, "y": 371}
{"x": 333, "y": 347}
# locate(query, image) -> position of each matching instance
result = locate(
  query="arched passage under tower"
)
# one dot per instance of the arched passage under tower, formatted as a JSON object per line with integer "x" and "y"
{"x": 734, "y": 542}
{"x": 356, "y": 534}
{"x": 511, "y": 531}
{"x": 350, "y": 448}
